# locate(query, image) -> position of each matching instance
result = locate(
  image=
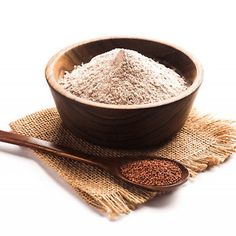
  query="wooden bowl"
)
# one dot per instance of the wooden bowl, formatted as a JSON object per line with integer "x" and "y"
{"x": 123, "y": 126}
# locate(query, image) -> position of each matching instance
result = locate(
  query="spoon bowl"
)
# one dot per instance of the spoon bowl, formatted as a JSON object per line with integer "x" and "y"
{"x": 165, "y": 188}
{"x": 113, "y": 167}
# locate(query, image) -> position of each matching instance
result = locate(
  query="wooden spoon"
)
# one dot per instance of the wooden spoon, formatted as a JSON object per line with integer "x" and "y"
{"x": 113, "y": 166}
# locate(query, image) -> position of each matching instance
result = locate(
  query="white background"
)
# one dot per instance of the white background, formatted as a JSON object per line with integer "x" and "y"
{"x": 32, "y": 200}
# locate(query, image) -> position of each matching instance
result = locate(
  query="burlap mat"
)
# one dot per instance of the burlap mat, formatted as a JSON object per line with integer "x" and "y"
{"x": 202, "y": 142}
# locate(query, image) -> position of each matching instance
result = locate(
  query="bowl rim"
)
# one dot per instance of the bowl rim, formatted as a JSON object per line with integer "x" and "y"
{"x": 50, "y": 77}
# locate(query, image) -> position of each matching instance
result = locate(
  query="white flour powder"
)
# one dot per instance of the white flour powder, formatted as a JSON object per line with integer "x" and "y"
{"x": 123, "y": 77}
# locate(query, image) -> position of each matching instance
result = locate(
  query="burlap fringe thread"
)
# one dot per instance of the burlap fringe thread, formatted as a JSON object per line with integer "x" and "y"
{"x": 205, "y": 142}
{"x": 221, "y": 137}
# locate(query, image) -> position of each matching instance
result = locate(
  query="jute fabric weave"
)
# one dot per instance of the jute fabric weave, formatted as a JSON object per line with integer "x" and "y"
{"x": 201, "y": 143}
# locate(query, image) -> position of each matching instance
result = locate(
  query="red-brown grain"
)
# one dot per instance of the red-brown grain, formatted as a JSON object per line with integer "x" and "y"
{"x": 152, "y": 172}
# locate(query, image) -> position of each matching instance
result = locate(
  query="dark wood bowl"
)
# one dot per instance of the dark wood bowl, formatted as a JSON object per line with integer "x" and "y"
{"x": 126, "y": 126}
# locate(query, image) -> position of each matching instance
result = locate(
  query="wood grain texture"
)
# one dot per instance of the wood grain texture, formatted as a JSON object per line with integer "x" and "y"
{"x": 126, "y": 126}
{"x": 113, "y": 167}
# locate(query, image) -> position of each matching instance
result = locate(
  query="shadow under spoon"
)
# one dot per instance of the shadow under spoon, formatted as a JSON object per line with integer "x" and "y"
{"x": 114, "y": 167}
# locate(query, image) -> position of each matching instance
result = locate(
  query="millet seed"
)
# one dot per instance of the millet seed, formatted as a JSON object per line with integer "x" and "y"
{"x": 152, "y": 172}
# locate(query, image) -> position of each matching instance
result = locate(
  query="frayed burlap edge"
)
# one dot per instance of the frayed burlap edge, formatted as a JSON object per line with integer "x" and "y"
{"x": 221, "y": 137}
{"x": 222, "y": 143}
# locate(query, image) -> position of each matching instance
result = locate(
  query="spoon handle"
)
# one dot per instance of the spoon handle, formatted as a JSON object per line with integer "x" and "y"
{"x": 41, "y": 145}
